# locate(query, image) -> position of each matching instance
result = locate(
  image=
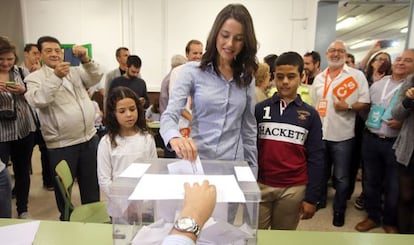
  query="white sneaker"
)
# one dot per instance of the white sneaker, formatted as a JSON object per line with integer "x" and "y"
{"x": 24, "y": 215}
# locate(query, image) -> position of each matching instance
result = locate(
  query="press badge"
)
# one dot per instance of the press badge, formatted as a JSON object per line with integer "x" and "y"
{"x": 322, "y": 107}
{"x": 374, "y": 116}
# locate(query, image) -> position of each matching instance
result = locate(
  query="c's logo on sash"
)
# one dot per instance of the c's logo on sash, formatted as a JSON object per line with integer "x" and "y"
{"x": 345, "y": 88}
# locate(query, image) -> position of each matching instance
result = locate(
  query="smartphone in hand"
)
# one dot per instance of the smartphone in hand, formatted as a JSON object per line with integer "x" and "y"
{"x": 68, "y": 56}
{"x": 10, "y": 83}
{"x": 385, "y": 43}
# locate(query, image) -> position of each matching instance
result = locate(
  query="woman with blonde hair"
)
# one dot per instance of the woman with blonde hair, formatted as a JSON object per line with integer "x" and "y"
{"x": 262, "y": 82}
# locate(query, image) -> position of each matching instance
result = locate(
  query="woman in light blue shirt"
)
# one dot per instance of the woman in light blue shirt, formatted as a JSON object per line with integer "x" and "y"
{"x": 223, "y": 95}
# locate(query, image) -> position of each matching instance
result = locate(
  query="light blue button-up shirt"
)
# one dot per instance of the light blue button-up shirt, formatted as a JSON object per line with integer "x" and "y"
{"x": 223, "y": 126}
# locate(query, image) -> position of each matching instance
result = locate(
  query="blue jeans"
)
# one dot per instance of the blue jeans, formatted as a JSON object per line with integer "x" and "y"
{"x": 5, "y": 194}
{"x": 339, "y": 156}
{"x": 380, "y": 177}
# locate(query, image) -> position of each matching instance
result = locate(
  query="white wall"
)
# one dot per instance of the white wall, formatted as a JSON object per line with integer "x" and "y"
{"x": 77, "y": 21}
{"x": 157, "y": 29}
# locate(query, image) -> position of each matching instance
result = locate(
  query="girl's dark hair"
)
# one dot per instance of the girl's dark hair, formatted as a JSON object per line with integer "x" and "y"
{"x": 370, "y": 71}
{"x": 245, "y": 64}
{"x": 111, "y": 124}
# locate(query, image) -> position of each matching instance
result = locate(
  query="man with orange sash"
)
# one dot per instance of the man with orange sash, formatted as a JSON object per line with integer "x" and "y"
{"x": 338, "y": 93}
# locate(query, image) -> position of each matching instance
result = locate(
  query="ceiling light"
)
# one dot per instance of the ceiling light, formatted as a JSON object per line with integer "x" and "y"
{"x": 345, "y": 23}
{"x": 361, "y": 44}
{"x": 404, "y": 30}
{"x": 395, "y": 44}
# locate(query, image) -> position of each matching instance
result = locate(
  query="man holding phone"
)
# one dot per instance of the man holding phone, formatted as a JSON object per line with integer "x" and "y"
{"x": 67, "y": 114}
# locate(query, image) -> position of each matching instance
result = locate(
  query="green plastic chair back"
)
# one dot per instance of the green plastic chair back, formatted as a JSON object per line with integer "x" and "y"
{"x": 90, "y": 212}
{"x": 65, "y": 182}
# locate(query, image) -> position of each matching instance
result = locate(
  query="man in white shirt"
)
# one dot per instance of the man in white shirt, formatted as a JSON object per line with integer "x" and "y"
{"x": 338, "y": 93}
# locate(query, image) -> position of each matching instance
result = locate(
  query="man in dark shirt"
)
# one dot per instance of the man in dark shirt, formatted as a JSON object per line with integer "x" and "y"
{"x": 312, "y": 62}
{"x": 131, "y": 80}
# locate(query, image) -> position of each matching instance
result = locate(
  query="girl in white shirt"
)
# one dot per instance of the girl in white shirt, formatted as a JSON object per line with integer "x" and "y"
{"x": 127, "y": 140}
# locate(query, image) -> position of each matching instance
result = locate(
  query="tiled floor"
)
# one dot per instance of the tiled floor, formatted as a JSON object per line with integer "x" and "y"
{"x": 42, "y": 206}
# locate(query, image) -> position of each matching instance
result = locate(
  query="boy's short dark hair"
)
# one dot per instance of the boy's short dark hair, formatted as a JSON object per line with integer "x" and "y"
{"x": 290, "y": 58}
{"x": 134, "y": 60}
{"x": 45, "y": 39}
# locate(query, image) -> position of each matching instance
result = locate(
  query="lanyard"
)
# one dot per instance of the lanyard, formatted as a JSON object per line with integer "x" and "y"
{"x": 384, "y": 90}
{"x": 326, "y": 84}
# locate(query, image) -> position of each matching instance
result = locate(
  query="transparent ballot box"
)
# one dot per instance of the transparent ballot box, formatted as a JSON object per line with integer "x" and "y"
{"x": 144, "y": 207}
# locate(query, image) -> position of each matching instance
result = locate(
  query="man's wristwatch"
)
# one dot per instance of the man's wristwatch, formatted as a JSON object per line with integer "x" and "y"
{"x": 187, "y": 224}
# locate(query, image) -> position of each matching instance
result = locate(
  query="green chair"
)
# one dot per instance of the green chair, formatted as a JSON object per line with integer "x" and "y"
{"x": 88, "y": 213}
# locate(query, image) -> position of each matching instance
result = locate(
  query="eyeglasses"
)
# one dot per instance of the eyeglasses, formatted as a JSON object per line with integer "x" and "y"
{"x": 339, "y": 50}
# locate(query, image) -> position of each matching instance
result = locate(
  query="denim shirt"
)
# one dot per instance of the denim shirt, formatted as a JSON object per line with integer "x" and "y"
{"x": 223, "y": 126}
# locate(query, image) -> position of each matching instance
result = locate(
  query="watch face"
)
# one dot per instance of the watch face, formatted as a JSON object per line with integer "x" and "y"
{"x": 186, "y": 224}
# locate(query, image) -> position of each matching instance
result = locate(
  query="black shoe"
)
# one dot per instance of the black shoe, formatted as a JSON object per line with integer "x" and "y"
{"x": 320, "y": 205}
{"x": 359, "y": 202}
{"x": 338, "y": 219}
